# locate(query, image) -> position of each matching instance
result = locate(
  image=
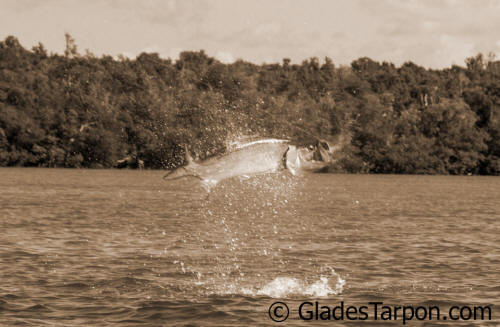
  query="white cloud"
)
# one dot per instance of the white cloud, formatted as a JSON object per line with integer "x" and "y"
{"x": 154, "y": 48}
{"x": 225, "y": 57}
{"x": 427, "y": 32}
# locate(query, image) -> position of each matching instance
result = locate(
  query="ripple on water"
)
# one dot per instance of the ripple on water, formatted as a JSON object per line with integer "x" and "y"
{"x": 126, "y": 249}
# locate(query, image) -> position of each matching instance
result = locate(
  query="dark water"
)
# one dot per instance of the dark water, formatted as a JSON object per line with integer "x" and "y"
{"x": 125, "y": 248}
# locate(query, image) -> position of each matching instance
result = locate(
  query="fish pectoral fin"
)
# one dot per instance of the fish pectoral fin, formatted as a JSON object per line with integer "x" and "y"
{"x": 292, "y": 171}
{"x": 292, "y": 160}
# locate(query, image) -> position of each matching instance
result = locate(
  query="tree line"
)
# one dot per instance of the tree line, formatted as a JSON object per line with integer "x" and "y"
{"x": 77, "y": 110}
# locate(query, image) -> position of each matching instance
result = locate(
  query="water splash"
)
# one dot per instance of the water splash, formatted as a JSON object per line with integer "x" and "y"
{"x": 240, "y": 142}
{"x": 283, "y": 287}
{"x": 288, "y": 286}
{"x": 247, "y": 227}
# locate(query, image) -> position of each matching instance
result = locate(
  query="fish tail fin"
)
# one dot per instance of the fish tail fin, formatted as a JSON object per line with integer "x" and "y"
{"x": 189, "y": 158}
{"x": 184, "y": 171}
{"x": 178, "y": 173}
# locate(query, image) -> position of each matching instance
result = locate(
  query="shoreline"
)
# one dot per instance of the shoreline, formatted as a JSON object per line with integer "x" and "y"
{"x": 309, "y": 173}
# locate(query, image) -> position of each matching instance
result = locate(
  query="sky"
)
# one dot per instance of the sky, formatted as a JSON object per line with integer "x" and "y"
{"x": 434, "y": 33}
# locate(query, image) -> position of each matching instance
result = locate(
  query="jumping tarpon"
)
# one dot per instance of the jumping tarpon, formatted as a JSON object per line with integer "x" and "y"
{"x": 255, "y": 157}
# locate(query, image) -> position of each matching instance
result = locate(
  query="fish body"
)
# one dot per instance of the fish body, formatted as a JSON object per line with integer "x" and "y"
{"x": 251, "y": 158}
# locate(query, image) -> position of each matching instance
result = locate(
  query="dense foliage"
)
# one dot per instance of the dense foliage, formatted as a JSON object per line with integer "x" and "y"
{"x": 82, "y": 111}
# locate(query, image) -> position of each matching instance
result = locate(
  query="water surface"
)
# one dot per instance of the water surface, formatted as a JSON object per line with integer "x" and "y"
{"x": 125, "y": 248}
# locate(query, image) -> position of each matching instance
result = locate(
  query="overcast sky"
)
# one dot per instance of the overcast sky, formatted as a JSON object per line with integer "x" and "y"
{"x": 431, "y": 33}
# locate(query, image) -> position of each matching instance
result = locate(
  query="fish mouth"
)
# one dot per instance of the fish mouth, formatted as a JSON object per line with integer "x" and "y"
{"x": 315, "y": 157}
{"x": 313, "y": 165}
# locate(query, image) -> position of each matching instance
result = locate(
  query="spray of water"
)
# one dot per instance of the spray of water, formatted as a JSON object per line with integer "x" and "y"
{"x": 244, "y": 245}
